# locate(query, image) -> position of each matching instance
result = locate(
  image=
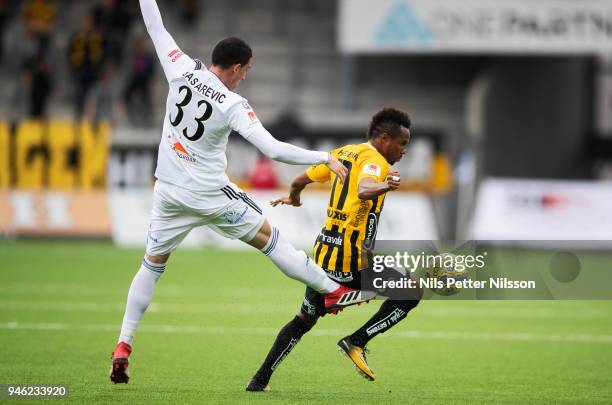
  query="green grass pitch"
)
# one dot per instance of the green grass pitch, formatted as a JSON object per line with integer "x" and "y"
{"x": 215, "y": 315}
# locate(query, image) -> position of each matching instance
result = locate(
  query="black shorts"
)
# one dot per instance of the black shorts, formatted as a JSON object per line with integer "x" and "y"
{"x": 314, "y": 304}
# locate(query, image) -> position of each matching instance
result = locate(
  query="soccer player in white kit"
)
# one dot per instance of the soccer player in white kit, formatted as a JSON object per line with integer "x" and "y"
{"x": 192, "y": 188}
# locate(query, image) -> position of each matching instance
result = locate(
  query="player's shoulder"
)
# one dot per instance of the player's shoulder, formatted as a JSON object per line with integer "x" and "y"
{"x": 370, "y": 151}
{"x": 237, "y": 105}
{"x": 199, "y": 65}
{"x": 235, "y": 100}
{"x": 369, "y": 156}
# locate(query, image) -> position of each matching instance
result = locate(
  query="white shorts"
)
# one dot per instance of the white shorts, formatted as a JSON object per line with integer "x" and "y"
{"x": 176, "y": 211}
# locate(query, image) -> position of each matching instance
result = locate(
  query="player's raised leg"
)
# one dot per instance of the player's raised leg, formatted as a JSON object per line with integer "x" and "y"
{"x": 297, "y": 265}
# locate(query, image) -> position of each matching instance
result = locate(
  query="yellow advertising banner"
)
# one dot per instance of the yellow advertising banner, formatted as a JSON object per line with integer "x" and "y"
{"x": 54, "y": 155}
{"x": 62, "y": 167}
{"x": 5, "y": 173}
{"x": 30, "y": 155}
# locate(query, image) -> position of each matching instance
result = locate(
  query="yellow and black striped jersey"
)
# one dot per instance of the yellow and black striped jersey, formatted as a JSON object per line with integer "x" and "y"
{"x": 350, "y": 228}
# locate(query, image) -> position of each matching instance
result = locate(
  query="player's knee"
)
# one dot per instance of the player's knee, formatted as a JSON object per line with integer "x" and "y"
{"x": 154, "y": 264}
{"x": 308, "y": 320}
{"x": 261, "y": 237}
{"x": 161, "y": 259}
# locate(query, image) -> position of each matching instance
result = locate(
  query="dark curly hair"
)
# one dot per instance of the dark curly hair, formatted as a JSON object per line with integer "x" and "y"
{"x": 389, "y": 120}
{"x": 231, "y": 51}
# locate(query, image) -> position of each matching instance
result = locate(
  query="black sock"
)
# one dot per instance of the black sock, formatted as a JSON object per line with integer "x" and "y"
{"x": 389, "y": 314}
{"x": 286, "y": 340}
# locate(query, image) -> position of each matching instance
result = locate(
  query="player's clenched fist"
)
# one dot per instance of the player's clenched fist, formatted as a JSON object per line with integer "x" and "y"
{"x": 393, "y": 180}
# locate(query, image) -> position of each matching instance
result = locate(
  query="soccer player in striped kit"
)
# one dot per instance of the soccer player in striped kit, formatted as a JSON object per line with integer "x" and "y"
{"x": 344, "y": 246}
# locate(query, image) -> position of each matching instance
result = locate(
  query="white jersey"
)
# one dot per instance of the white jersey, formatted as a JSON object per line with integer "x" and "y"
{"x": 200, "y": 114}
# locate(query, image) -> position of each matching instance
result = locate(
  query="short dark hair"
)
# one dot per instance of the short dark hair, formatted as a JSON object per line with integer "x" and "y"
{"x": 389, "y": 120}
{"x": 231, "y": 51}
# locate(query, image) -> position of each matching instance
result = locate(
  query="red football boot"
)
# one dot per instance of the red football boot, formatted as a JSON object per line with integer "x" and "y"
{"x": 118, "y": 371}
{"x": 343, "y": 297}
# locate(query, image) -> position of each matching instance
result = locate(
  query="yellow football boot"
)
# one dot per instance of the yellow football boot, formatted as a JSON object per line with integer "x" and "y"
{"x": 357, "y": 355}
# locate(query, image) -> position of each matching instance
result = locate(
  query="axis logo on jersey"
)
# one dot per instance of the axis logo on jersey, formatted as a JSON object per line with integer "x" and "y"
{"x": 333, "y": 214}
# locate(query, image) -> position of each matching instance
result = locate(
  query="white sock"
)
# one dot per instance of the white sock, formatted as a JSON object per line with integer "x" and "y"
{"x": 139, "y": 298}
{"x": 297, "y": 264}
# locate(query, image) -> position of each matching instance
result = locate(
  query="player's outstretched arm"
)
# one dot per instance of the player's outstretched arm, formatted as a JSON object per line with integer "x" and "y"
{"x": 291, "y": 154}
{"x": 162, "y": 39}
{"x": 165, "y": 46}
{"x": 297, "y": 186}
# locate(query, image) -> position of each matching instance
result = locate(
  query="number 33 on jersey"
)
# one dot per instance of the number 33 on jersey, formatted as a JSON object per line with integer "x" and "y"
{"x": 201, "y": 112}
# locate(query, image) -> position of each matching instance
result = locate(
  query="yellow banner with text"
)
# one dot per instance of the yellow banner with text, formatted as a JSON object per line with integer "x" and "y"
{"x": 56, "y": 155}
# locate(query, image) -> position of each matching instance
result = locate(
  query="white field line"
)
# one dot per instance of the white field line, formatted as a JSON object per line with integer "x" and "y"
{"x": 115, "y": 296}
{"x": 563, "y": 312}
{"x": 222, "y": 330}
{"x": 515, "y": 309}
{"x": 74, "y": 306}
{"x": 78, "y": 289}
{"x": 113, "y": 291}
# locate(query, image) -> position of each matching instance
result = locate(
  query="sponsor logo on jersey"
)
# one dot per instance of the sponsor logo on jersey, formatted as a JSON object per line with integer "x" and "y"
{"x": 252, "y": 116}
{"x": 233, "y": 216}
{"x": 331, "y": 240}
{"x": 372, "y": 169}
{"x": 361, "y": 213}
{"x": 182, "y": 153}
{"x": 334, "y": 214}
{"x": 175, "y": 55}
{"x": 246, "y": 105}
